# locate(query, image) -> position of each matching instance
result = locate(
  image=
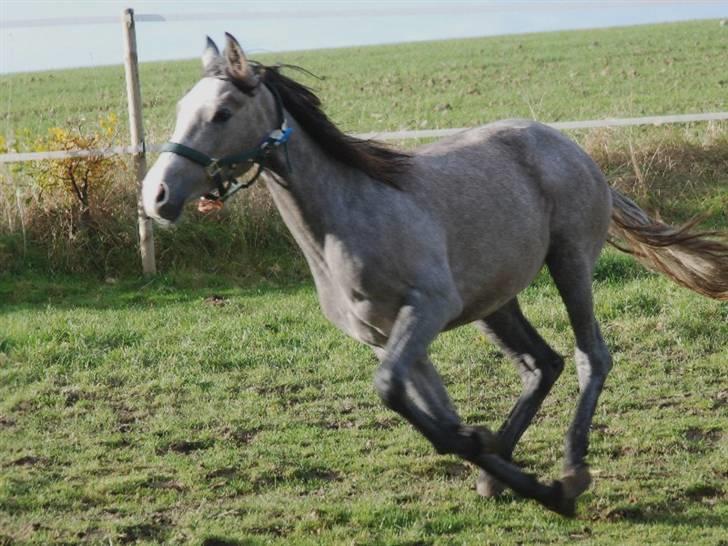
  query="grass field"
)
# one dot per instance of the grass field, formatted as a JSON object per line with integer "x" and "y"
{"x": 141, "y": 412}
{"x": 657, "y": 69}
{"x": 218, "y": 409}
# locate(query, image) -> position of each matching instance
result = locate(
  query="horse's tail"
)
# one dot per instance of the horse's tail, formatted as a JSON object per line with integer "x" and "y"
{"x": 695, "y": 259}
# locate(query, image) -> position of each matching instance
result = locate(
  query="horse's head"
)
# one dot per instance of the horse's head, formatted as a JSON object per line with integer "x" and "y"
{"x": 223, "y": 125}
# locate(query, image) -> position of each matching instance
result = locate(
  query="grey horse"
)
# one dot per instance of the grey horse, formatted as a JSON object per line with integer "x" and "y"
{"x": 403, "y": 246}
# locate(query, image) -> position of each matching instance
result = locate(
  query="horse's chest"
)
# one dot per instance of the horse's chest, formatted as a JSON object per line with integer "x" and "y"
{"x": 364, "y": 317}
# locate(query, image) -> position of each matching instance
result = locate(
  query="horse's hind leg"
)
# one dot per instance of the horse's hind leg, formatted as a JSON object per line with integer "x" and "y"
{"x": 539, "y": 367}
{"x": 572, "y": 273}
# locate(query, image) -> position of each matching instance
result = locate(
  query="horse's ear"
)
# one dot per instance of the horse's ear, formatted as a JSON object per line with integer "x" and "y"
{"x": 210, "y": 54}
{"x": 238, "y": 65}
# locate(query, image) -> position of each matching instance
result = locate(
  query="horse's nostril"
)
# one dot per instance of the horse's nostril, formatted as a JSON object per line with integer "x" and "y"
{"x": 162, "y": 193}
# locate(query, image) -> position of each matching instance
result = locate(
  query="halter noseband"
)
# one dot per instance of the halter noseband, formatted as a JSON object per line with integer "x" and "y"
{"x": 223, "y": 171}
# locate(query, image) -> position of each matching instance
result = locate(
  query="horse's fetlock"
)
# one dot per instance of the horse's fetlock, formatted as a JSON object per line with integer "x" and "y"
{"x": 576, "y": 480}
{"x": 389, "y": 387}
{"x": 477, "y": 441}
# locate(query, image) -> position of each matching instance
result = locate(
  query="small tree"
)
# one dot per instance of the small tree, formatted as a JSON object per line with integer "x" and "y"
{"x": 75, "y": 182}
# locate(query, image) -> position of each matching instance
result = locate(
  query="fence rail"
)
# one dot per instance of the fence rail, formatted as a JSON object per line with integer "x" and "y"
{"x": 562, "y": 125}
{"x": 393, "y": 135}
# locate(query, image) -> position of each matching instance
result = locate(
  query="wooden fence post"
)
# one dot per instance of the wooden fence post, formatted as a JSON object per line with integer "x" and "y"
{"x": 136, "y": 133}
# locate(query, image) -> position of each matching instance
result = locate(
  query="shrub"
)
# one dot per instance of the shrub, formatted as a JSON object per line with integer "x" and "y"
{"x": 73, "y": 210}
{"x": 72, "y": 184}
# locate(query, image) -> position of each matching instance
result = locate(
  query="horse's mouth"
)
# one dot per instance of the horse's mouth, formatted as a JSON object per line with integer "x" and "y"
{"x": 168, "y": 213}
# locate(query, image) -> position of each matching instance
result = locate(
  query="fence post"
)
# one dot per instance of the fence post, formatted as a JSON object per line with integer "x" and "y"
{"x": 136, "y": 133}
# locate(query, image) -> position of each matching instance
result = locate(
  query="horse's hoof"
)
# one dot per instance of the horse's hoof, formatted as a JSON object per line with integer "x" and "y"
{"x": 561, "y": 503}
{"x": 487, "y": 486}
{"x": 575, "y": 481}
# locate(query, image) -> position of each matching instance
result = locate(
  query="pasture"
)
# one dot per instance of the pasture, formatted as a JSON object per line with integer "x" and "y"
{"x": 559, "y": 76}
{"x": 212, "y": 408}
{"x": 148, "y": 412}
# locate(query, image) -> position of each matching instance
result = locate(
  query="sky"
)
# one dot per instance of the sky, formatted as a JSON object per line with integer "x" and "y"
{"x": 27, "y": 44}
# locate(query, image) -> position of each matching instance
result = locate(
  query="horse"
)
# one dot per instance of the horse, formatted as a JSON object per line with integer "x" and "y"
{"x": 404, "y": 245}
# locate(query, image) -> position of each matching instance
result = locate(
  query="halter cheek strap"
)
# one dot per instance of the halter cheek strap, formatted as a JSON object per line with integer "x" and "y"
{"x": 223, "y": 171}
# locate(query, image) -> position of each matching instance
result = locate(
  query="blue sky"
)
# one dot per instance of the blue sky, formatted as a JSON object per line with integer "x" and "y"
{"x": 263, "y": 26}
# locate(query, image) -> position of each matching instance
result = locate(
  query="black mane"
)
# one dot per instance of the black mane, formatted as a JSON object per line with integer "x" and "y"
{"x": 376, "y": 159}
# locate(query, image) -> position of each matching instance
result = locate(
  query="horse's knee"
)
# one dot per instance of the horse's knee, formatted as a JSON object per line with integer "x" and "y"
{"x": 466, "y": 441}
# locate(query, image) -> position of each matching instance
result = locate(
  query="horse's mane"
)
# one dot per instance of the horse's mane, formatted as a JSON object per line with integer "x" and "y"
{"x": 376, "y": 159}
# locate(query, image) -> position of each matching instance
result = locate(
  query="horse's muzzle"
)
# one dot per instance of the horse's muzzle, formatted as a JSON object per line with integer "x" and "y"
{"x": 163, "y": 207}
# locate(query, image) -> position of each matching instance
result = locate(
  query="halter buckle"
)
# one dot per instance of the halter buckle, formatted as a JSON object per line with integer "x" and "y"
{"x": 213, "y": 169}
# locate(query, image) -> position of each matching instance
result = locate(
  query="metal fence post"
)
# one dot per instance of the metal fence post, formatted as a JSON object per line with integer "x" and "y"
{"x": 136, "y": 133}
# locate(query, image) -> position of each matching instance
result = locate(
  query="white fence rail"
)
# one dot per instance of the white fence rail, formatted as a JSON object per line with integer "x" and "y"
{"x": 563, "y": 125}
{"x": 393, "y": 135}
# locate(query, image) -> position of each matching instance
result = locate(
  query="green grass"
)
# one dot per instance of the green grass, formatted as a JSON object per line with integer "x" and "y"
{"x": 633, "y": 71}
{"x": 140, "y": 412}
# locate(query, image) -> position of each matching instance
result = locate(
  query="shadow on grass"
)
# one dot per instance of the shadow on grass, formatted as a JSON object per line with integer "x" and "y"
{"x": 677, "y": 512}
{"x": 38, "y": 290}
{"x": 216, "y": 540}
{"x": 28, "y": 291}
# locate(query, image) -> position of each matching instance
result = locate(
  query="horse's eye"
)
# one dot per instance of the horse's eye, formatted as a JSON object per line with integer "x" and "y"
{"x": 222, "y": 116}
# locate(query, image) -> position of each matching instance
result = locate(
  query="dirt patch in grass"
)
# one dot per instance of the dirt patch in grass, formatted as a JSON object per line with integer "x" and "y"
{"x": 699, "y": 438}
{"x": 629, "y": 513}
{"x": 222, "y": 541}
{"x": 215, "y": 300}
{"x": 155, "y": 532}
{"x": 700, "y": 492}
{"x": 227, "y": 473}
{"x": 163, "y": 482}
{"x": 240, "y": 436}
{"x": 6, "y": 422}
{"x": 315, "y": 474}
{"x": 183, "y": 446}
{"x": 28, "y": 460}
{"x": 383, "y": 423}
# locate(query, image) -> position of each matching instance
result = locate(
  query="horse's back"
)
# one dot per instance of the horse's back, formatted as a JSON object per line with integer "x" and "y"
{"x": 523, "y": 166}
{"x": 504, "y": 193}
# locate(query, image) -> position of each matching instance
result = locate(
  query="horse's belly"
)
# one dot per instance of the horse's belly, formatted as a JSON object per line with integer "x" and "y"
{"x": 491, "y": 279}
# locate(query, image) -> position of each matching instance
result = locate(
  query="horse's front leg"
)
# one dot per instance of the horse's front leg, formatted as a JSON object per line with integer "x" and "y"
{"x": 408, "y": 383}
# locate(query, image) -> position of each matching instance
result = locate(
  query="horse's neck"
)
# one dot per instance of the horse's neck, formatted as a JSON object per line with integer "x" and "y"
{"x": 309, "y": 196}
